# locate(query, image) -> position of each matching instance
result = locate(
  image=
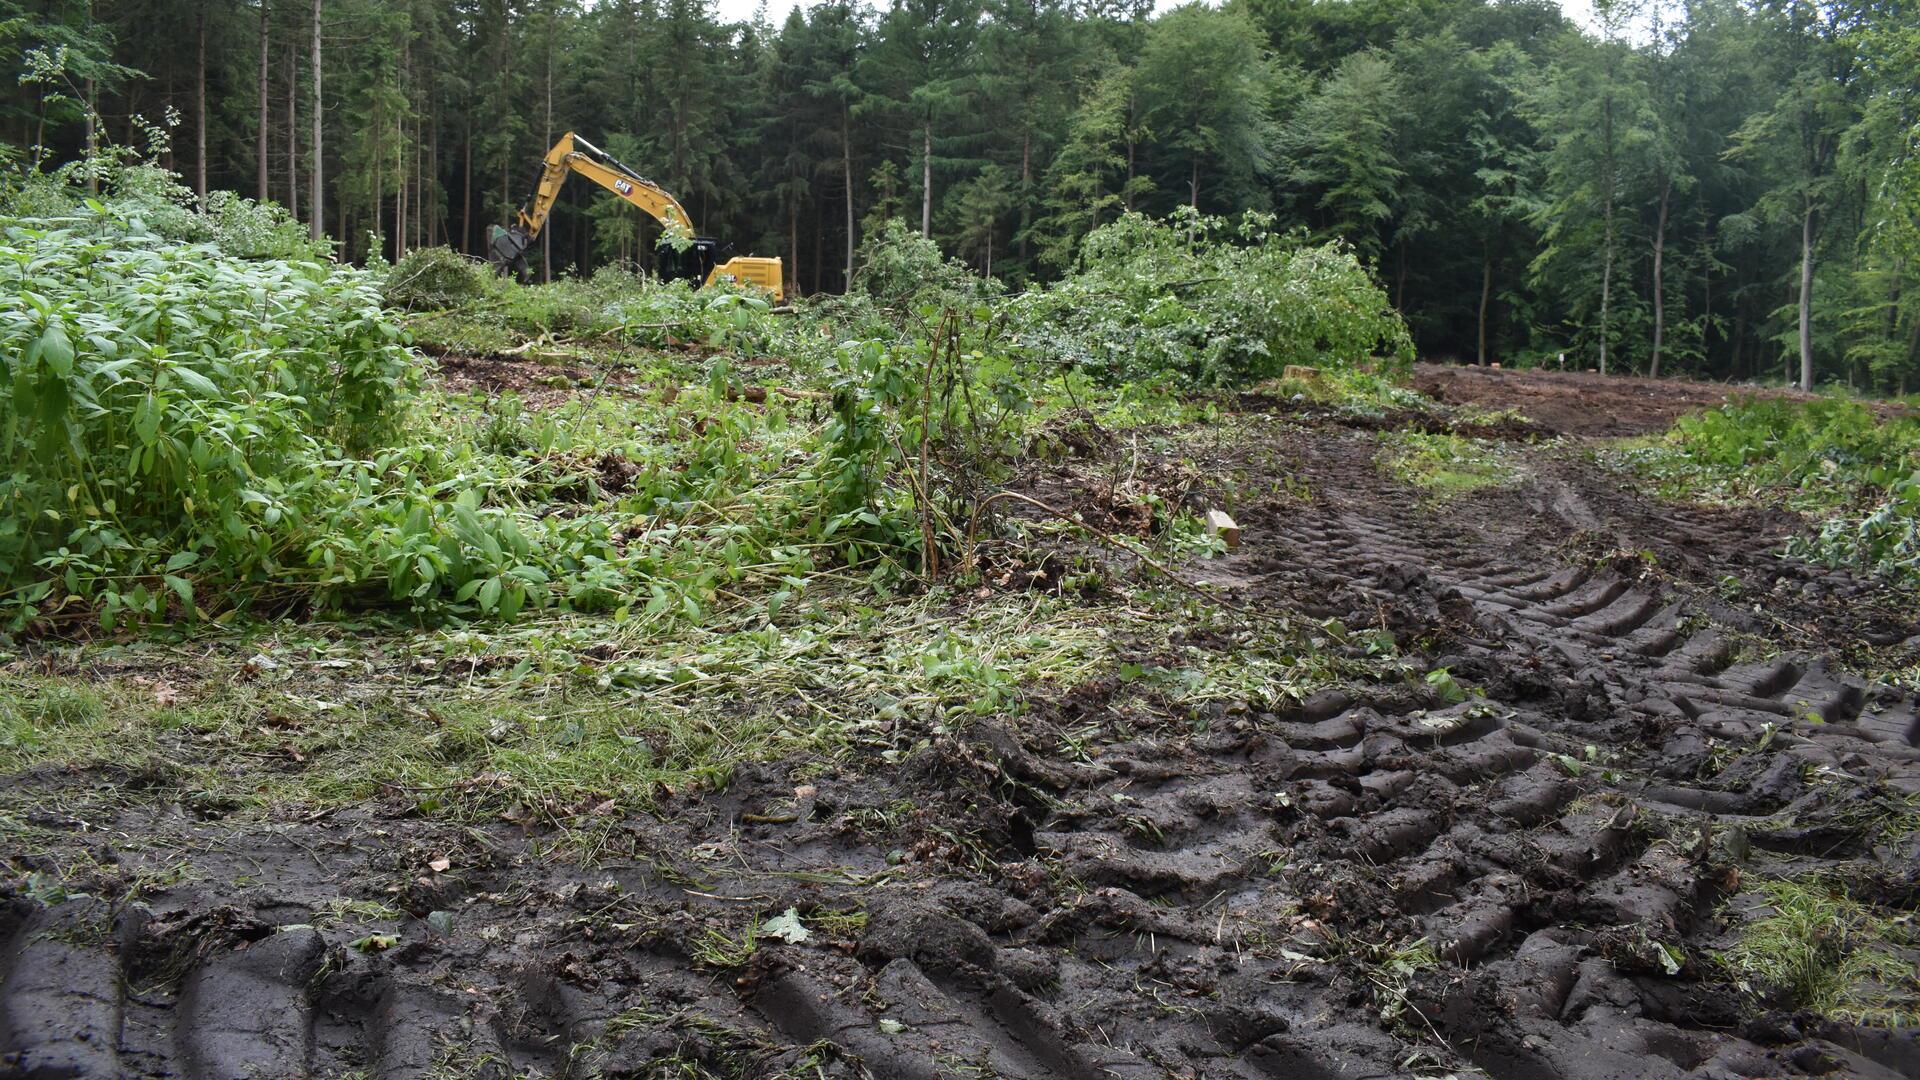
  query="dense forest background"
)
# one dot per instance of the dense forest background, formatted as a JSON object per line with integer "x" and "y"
{"x": 1723, "y": 188}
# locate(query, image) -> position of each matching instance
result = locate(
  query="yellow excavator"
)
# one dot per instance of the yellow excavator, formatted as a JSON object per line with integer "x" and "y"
{"x": 507, "y": 247}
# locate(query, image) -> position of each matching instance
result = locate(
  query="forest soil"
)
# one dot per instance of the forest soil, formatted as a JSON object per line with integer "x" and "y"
{"x": 1536, "y": 879}
{"x": 1585, "y": 402}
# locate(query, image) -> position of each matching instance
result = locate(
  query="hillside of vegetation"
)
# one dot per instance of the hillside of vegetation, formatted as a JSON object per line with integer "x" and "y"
{"x": 1724, "y": 189}
{"x": 406, "y": 672}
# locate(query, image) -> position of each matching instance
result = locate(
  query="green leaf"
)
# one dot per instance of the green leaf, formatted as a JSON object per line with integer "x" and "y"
{"x": 197, "y": 382}
{"x": 511, "y": 601}
{"x": 146, "y": 419}
{"x": 56, "y": 350}
{"x": 787, "y": 927}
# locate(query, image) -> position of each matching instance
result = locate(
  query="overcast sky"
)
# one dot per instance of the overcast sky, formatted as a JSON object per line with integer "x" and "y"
{"x": 1580, "y": 11}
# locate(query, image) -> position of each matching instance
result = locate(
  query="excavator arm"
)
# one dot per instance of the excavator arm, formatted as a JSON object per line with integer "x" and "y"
{"x": 573, "y": 154}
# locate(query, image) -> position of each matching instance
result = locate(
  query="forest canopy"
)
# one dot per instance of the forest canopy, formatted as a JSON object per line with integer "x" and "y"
{"x": 1724, "y": 189}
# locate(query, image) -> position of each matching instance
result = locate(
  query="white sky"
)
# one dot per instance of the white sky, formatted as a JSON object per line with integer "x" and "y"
{"x": 1580, "y": 11}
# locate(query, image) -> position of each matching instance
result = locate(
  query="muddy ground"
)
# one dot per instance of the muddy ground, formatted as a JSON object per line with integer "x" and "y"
{"x": 1658, "y": 708}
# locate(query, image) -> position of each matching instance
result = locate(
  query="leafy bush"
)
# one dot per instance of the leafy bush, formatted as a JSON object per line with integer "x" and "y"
{"x": 435, "y": 277}
{"x": 1886, "y": 538}
{"x": 170, "y": 407}
{"x": 156, "y": 201}
{"x": 1211, "y": 305}
{"x": 899, "y": 268}
{"x": 1802, "y": 443}
{"x": 1837, "y": 460}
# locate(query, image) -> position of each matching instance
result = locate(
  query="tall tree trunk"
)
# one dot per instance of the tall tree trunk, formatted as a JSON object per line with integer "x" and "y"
{"x": 1486, "y": 293}
{"x": 1400, "y": 279}
{"x": 1659, "y": 287}
{"x": 466, "y": 187}
{"x": 1706, "y": 285}
{"x": 92, "y": 119}
{"x": 293, "y": 130}
{"x": 846, "y": 168}
{"x": 93, "y": 134}
{"x": 260, "y": 145}
{"x": 1606, "y": 212}
{"x": 1913, "y": 355}
{"x": 318, "y": 189}
{"x": 1739, "y": 340}
{"x": 1193, "y": 184}
{"x": 430, "y": 181}
{"x": 926, "y": 180}
{"x": 166, "y": 155}
{"x": 399, "y": 160}
{"x": 1026, "y": 187}
{"x": 1806, "y": 297}
{"x": 200, "y": 112}
{"x": 1606, "y": 277}
{"x": 400, "y": 187}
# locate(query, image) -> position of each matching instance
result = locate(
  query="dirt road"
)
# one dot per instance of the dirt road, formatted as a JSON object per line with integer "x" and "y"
{"x": 1523, "y": 866}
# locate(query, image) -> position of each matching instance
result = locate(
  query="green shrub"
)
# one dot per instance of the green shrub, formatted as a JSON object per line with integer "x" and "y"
{"x": 1837, "y": 460}
{"x": 169, "y": 409}
{"x": 435, "y": 277}
{"x": 1194, "y": 299}
{"x": 1802, "y": 443}
{"x": 901, "y": 269}
{"x": 1886, "y": 538}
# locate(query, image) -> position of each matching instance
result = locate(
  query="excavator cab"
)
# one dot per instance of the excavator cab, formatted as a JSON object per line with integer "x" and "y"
{"x": 699, "y": 263}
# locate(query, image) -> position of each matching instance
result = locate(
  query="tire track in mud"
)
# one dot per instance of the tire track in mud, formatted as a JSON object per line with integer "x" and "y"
{"x": 1529, "y": 838}
{"x": 1224, "y": 902}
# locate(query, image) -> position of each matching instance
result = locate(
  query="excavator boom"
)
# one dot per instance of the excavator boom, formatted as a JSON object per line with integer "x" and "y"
{"x": 507, "y": 249}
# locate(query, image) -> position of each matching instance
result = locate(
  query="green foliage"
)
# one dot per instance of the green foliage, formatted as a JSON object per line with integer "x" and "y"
{"x": 1209, "y": 91}
{"x": 1817, "y": 948}
{"x": 1808, "y": 444}
{"x": 899, "y": 268}
{"x": 613, "y": 306}
{"x": 1526, "y": 186}
{"x": 152, "y": 199}
{"x": 238, "y": 227}
{"x": 435, "y": 277}
{"x": 1886, "y": 538}
{"x": 1837, "y": 460}
{"x": 1445, "y": 465}
{"x": 1341, "y": 144}
{"x": 172, "y": 413}
{"x": 1210, "y": 304}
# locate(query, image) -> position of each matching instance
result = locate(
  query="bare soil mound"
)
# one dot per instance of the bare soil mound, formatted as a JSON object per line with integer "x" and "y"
{"x": 1581, "y": 402}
